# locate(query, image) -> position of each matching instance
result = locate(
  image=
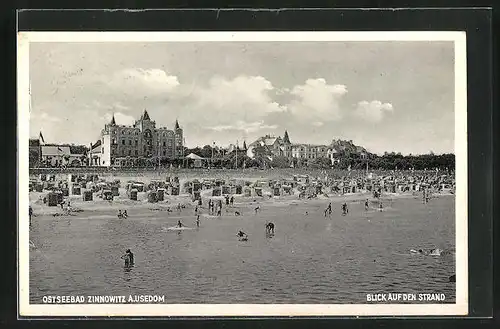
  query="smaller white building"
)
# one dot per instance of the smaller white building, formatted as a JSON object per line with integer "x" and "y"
{"x": 55, "y": 156}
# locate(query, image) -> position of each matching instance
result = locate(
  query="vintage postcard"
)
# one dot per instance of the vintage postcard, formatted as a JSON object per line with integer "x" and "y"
{"x": 242, "y": 174}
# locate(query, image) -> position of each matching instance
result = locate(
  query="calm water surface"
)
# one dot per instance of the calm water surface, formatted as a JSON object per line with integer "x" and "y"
{"x": 310, "y": 259}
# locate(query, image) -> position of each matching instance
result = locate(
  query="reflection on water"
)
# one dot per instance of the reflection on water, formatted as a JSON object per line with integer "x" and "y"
{"x": 309, "y": 259}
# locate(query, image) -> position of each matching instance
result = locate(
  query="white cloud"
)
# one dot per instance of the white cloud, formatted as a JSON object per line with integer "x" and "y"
{"x": 318, "y": 124}
{"x": 229, "y": 100}
{"x": 120, "y": 118}
{"x": 143, "y": 82}
{"x": 372, "y": 111}
{"x": 317, "y": 100}
{"x": 247, "y": 127}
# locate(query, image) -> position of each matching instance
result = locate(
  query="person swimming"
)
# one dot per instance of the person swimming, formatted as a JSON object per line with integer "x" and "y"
{"x": 242, "y": 234}
{"x": 381, "y": 206}
{"x": 179, "y": 224}
{"x": 125, "y": 215}
{"x": 257, "y": 209}
{"x": 120, "y": 215}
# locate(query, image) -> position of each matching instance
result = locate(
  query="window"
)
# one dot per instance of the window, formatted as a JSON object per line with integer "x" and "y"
{"x": 114, "y": 141}
{"x": 123, "y": 152}
{"x": 136, "y": 142}
{"x": 102, "y": 150}
{"x": 129, "y": 142}
{"x": 164, "y": 153}
{"x": 129, "y": 152}
{"x": 164, "y": 144}
{"x": 136, "y": 152}
{"x": 123, "y": 142}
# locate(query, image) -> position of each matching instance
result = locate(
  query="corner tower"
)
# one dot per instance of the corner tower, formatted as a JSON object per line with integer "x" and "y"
{"x": 287, "y": 145}
{"x": 179, "y": 140}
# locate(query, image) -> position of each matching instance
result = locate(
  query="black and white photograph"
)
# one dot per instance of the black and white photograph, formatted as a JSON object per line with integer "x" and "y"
{"x": 242, "y": 173}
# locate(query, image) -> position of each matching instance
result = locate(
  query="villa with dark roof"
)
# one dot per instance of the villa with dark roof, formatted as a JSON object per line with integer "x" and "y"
{"x": 118, "y": 144}
{"x": 282, "y": 146}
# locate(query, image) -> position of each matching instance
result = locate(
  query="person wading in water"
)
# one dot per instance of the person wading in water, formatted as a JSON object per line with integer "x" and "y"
{"x": 345, "y": 211}
{"x": 128, "y": 257}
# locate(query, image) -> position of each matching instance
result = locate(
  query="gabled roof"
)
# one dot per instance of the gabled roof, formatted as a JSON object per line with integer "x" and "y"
{"x": 55, "y": 150}
{"x": 145, "y": 115}
{"x": 270, "y": 141}
{"x": 194, "y": 156}
{"x": 177, "y": 124}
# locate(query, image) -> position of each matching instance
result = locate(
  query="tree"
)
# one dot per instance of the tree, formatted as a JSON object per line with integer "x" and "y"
{"x": 321, "y": 163}
{"x": 280, "y": 162}
{"x": 206, "y": 151}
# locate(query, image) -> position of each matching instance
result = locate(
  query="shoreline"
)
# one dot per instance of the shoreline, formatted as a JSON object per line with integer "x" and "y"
{"x": 79, "y": 206}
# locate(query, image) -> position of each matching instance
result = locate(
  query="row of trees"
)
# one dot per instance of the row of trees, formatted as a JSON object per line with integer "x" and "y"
{"x": 345, "y": 159}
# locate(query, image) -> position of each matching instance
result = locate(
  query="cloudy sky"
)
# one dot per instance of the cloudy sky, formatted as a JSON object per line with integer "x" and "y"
{"x": 385, "y": 96}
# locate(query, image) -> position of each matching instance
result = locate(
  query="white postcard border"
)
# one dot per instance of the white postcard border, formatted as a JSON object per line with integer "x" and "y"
{"x": 182, "y": 310}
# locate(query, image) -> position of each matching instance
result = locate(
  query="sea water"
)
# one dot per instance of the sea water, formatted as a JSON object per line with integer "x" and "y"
{"x": 310, "y": 258}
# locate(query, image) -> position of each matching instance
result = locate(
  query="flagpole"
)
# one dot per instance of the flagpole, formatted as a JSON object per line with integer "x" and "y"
{"x": 212, "y": 159}
{"x": 236, "y": 154}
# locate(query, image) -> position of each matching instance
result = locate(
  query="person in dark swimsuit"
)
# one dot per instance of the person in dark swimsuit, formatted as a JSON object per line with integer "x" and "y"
{"x": 179, "y": 224}
{"x": 128, "y": 257}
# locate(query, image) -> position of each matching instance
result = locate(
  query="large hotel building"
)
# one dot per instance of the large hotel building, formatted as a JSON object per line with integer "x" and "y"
{"x": 118, "y": 145}
{"x": 281, "y": 146}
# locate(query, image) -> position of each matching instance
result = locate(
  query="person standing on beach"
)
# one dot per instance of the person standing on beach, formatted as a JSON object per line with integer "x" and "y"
{"x": 196, "y": 210}
{"x": 198, "y": 221}
{"x": 366, "y": 205}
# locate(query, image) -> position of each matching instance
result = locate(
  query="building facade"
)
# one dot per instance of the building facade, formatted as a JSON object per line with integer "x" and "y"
{"x": 119, "y": 143}
{"x": 281, "y": 146}
{"x": 271, "y": 145}
{"x": 60, "y": 156}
